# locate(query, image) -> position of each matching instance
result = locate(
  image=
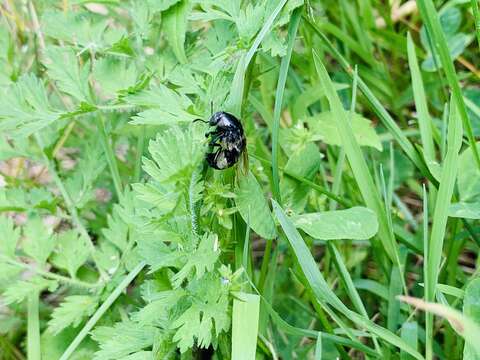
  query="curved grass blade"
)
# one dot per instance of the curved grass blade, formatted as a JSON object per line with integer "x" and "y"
{"x": 322, "y": 290}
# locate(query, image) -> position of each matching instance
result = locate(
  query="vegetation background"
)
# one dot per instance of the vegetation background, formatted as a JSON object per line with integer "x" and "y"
{"x": 354, "y": 234}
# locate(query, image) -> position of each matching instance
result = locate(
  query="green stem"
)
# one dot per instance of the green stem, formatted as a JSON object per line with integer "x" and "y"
{"x": 101, "y": 310}
{"x": 33, "y": 328}
{"x": 265, "y": 263}
{"x": 112, "y": 163}
{"x": 138, "y": 159}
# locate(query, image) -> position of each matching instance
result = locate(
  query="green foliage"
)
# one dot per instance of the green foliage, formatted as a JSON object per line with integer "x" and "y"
{"x": 118, "y": 241}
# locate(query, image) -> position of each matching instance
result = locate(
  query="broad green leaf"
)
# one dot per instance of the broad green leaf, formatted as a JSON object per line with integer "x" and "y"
{"x": 468, "y": 177}
{"x": 357, "y": 223}
{"x": 113, "y": 74}
{"x": 466, "y": 210}
{"x": 39, "y": 240}
{"x": 163, "y": 198}
{"x": 456, "y": 46}
{"x": 324, "y": 127}
{"x": 409, "y": 333}
{"x": 71, "y": 252}
{"x": 253, "y": 207}
{"x": 175, "y": 27}
{"x": 246, "y": 310}
{"x": 71, "y": 312}
{"x": 471, "y": 309}
{"x": 9, "y": 236}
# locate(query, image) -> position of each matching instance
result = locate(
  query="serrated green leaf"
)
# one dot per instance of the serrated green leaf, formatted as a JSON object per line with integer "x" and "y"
{"x": 163, "y": 198}
{"x": 122, "y": 339}
{"x": 175, "y": 27}
{"x": 62, "y": 66}
{"x": 357, "y": 223}
{"x": 71, "y": 312}
{"x": 9, "y": 236}
{"x": 39, "y": 240}
{"x": 20, "y": 290}
{"x": 253, "y": 207}
{"x": 176, "y": 153}
{"x": 25, "y": 108}
{"x": 201, "y": 260}
{"x": 71, "y": 252}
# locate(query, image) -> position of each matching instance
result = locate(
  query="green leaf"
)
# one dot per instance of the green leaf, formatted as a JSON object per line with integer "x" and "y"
{"x": 39, "y": 240}
{"x": 357, "y": 223}
{"x": 175, "y": 27}
{"x": 245, "y": 314}
{"x": 409, "y": 333}
{"x": 62, "y": 66}
{"x": 207, "y": 316}
{"x": 176, "y": 153}
{"x": 324, "y": 128}
{"x": 165, "y": 115}
{"x": 201, "y": 260}
{"x": 24, "y": 107}
{"x": 468, "y": 177}
{"x": 253, "y": 207}
{"x": 71, "y": 252}
{"x": 471, "y": 309}
{"x": 465, "y": 210}
{"x": 113, "y": 74}
{"x": 122, "y": 339}
{"x": 9, "y": 236}
{"x": 20, "y": 290}
{"x": 163, "y": 198}
{"x": 71, "y": 312}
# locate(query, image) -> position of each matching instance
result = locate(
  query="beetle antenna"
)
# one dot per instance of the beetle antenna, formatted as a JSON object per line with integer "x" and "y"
{"x": 206, "y": 122}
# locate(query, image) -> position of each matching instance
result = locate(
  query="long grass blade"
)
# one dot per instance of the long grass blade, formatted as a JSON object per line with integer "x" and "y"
{"x": 33, "y": 328}
{"x": 282, "y": 79}
{"x": 245, "y": 316}
{"x": 440, "y": 214}
{"x": 432, "y": 22}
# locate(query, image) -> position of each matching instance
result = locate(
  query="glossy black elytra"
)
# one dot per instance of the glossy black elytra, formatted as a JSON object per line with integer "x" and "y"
{"x": 227, "y": 140}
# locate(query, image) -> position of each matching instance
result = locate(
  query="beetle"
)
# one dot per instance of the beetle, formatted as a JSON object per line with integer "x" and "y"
{"x": 227, "y": 141}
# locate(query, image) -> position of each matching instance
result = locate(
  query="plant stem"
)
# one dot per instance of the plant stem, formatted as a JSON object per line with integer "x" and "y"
{"x": 112, "y": 163}
{"x": 101, "y": 310}
{"x": 138, "y": 159}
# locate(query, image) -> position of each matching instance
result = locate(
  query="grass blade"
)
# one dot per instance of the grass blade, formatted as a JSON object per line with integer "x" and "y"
{"x": 434, "y": 28}
{"x": 282, "y": 79}
{"x": 33, "y": 330}
{"x": 357, "y": 162}
{"x": 101, "y": 310}
{"x": 323, "y": 292}
{"x": 377, "y": 107}
{"x": 245, "y": 326}
{"x": 440, "y": 215}
{"x": 424, "y": 120}
{"x": 476, "y": 16}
